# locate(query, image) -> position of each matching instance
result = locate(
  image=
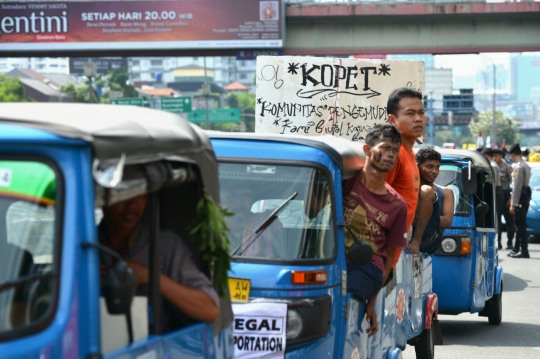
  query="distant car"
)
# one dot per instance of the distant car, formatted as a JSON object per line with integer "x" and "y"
{"x": 533, "y": 215}
{"x": 449, "y": 145}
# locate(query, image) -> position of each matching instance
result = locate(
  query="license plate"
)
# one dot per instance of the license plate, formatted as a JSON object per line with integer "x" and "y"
{"x": 239, "y": 289}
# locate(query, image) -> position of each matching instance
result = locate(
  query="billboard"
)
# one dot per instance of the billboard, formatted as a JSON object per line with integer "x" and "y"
{"x": 103, "y": 64}
{"x": 136, "y": 25}
{"x": 318, "y": 96}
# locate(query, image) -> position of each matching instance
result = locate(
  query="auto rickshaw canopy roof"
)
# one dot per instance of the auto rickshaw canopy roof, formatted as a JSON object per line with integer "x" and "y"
{"x": 348, "y": 155}
{"x": 122, "y": 135}
{"x": 477, "y": 159}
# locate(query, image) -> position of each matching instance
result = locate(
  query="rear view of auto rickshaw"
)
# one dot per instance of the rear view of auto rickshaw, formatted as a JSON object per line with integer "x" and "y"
{"x": 467, "y": 276}
{"x": 288, "y": 247}
{"x": 62, "y": 167}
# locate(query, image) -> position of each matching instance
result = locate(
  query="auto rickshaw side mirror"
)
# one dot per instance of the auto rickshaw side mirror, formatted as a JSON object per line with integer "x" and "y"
{"x": 468, "y": 180}
{"x": 481, "y": 209}
{"x": 360, "y": 252}
{"x": 119, "y": 288}
{"x": 119, "y": 284}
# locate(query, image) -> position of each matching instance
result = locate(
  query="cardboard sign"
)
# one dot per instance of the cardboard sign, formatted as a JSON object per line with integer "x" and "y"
{"x": 317, "y": 96}
{"x": 260, "y": 330}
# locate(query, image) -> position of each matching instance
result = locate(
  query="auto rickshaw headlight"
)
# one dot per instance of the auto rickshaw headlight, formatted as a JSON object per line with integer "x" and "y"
{"x": 448, "y": 245}
{"x": 295, "y": 324}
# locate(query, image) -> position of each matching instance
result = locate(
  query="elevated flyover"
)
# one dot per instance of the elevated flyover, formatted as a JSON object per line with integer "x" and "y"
{"x": 341, "y": 28}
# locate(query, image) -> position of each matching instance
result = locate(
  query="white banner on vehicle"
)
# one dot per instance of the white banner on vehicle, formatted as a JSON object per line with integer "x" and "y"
{"x": 260, "y": 330}
{"x": 328, "y": 96}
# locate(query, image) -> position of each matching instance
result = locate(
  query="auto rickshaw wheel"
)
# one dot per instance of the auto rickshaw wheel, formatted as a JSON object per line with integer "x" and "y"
{"x": 425, "y": 347}
{"x": 495, "y": 308}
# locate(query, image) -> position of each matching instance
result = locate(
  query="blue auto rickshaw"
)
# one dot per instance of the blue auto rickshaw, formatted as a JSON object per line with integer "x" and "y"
{"x": 467, "y": 276}
{"x": 299, "y": 257}
{"x": 59, "y": 165}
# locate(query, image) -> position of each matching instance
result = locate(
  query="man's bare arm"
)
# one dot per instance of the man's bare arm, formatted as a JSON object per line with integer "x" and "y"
{"x": 447, "y": 215}
{"x": 193, "y": 302}
{"x": 371, "y": 317}
{"x": 389, "y": 261}
{"x": 424, "y": 209}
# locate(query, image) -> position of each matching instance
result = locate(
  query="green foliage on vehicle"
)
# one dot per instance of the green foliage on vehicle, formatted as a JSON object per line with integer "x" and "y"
{"x": 209, "y": 231}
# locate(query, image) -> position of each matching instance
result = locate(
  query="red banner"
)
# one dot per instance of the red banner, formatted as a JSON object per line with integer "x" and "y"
{"x": 201, "y": 24}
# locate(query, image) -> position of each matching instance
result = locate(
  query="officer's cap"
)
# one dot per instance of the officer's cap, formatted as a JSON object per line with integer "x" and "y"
{"x": 515, "y": 149}
{"x": 487, "y": 151}
{"x": 496, "y": 151}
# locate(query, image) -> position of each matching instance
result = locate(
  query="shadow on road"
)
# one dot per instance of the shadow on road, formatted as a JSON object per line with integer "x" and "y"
{"x": 511, "y": 283}
{"x": 482, "y": 334}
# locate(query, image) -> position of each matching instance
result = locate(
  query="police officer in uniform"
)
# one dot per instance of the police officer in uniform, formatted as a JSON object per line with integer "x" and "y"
{"x": 505, "y": 172}
{"x": 499, "y": 194}
{"x": 519, "y": 203}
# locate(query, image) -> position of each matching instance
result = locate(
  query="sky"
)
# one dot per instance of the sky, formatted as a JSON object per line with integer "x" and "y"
{"x": 470, "y": 64}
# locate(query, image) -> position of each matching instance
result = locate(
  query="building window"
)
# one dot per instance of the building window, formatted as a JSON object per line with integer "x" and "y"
{"x": 156, "y": 62}
{"x": 243, "y": 76}
{"x": 135, "y": 63}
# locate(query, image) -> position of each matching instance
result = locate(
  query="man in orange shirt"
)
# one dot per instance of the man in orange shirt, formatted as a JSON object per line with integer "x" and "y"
{"x": 406, "y": 112}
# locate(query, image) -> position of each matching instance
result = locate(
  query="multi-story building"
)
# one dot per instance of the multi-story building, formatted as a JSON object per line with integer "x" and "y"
{"x": 438, "y": 82}
{"x": 525, "y": 77}
{"x": 224, "y": 70}
{"x": 39, "y": 64}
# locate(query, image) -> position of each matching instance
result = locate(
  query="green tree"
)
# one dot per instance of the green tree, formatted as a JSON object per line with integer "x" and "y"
{"x": 232, "y": 99}
{"x": 11, "y": 89}
{"x": 83, "y": 92}
{"x": 78, "y": 94}
{"x": 246, "y": 103}
{"x": 117, "y": 80}
{"x": 506, "y": 128}
{"x": 442, "y": 136}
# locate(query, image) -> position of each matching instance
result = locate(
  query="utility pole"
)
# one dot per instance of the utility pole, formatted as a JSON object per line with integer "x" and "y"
{"x": 206, "y": 92}
{"x": 90, "y": 70}
{"x": 90, "y": 94}
{"x": 430, "y": 101}
{"x": 494, "y": 105}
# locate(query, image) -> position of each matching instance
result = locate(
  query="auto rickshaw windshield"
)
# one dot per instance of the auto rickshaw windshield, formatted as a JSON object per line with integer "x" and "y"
{"x": 450, "y": 176}
{"x": 28, "y": 243}
{"x": 303, "y": 228}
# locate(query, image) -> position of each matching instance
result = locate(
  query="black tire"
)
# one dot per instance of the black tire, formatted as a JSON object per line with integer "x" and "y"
{"x": 425, "y": 347}
{"x": 495, "y": 308}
